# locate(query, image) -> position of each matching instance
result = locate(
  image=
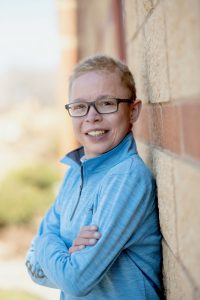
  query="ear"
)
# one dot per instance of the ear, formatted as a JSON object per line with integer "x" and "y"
{"x": 135, "y": 110}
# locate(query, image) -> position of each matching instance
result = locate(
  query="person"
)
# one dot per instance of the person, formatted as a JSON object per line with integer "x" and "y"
{"x": 101, "y": 237}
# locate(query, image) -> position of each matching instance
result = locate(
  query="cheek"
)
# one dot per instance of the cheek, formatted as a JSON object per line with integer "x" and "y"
{"x": 121, "y": 122}
{"x": 76, "y": 127}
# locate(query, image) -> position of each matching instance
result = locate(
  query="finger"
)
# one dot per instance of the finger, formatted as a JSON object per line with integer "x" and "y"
{"x": 90, "y": 234}
{"x": 81, "y": 241}
{"x": 76, "y": 248}
{"x": 89, "y": 228}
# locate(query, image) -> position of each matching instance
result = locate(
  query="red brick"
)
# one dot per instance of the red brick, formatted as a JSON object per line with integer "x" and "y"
{"x": 171, "y": 128}
{"x": 190, "y": 115}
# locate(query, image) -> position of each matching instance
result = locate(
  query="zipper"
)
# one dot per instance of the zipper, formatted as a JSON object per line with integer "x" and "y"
{"x": 80, "y": 191}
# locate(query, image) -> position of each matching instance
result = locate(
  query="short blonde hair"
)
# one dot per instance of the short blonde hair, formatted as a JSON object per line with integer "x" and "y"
{"x": 104, "y": 63}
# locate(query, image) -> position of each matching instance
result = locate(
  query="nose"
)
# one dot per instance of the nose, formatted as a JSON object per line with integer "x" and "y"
{"x": 93, "y": 115}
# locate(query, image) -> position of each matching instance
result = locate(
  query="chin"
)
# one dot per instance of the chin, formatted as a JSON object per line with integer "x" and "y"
{"x": 98, "y": 152}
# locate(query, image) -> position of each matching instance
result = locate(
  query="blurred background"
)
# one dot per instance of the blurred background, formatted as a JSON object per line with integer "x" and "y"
{"x": 41, "y": 41}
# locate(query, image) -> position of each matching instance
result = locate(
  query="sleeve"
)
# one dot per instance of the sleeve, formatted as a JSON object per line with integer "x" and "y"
{"x": 49, "y": 224}
{"x": 34, "y": 269}
{"x": 124, "y": 202}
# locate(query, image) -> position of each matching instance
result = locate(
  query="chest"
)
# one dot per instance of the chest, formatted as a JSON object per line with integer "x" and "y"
{"x": 79, "y": 202}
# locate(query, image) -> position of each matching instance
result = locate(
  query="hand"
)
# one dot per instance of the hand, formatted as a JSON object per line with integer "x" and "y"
{"x": 87, "y": 236}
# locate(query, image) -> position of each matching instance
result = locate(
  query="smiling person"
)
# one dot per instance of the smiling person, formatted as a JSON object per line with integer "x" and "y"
{"x": 101, "y": 237}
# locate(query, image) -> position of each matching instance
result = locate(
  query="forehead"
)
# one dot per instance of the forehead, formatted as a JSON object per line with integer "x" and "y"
{"x": 93, "y": 84}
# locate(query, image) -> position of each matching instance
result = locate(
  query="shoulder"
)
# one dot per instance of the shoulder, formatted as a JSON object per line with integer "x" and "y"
{"x": 129, "y": 184}
{"x": 129, "y": 176}
{"x": 133, "y": 166}
{"x": 70, "y": 177}
{"x": 71, "y": 172}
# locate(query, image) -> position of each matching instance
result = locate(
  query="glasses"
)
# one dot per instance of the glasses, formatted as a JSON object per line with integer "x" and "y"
{"x": 102, "y": 106}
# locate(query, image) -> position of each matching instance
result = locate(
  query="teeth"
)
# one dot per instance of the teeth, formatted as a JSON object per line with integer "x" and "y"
{"x": 96, "y": 132}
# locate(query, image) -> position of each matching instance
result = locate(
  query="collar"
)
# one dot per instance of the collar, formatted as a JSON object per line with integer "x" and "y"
{"x": 126, "y": 148}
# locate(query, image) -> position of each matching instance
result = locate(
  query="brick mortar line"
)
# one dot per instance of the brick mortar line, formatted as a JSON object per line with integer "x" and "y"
{"x": 183, "y": 158}
{"x": 143, "y": 130}
{"x": 184, "y": 100}
{"x": 175, "y": 208}
{"x": 192, "y": 100}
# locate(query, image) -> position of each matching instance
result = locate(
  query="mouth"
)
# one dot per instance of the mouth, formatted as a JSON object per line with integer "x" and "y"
{"x": 95, "y": 133}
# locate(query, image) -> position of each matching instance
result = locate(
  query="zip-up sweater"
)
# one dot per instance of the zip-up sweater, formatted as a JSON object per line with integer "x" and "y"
{"x": 116, "y": 192}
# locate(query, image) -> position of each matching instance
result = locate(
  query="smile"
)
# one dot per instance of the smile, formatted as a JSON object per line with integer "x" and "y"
{"x": 97, "y": 132}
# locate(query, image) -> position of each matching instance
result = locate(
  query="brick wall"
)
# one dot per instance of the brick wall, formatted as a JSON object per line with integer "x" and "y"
{"x": 163, "y": 47}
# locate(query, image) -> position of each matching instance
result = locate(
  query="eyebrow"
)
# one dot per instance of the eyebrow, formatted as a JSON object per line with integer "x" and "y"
{"x": 98, "y": 98}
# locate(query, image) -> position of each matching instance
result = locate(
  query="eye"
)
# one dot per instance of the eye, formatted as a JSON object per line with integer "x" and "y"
{"x": 107, "y": 102}
{"x": 78, "y": 106}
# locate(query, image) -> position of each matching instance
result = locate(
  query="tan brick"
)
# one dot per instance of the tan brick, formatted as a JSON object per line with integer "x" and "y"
{"x": 176, "y": 282}
{"x": 137, "y": 63}
{"x": 183, "y": 39}
{"x": 197, "y": 294}
{"x": 147, "y": 61}
{"x": 156, "y": 125}
{"x": 163, "y": 168}
{"x": 155, "y": 2}
{"x": 145, "y": 152}
{"x": 156, "y": 56}
{"x": 145, "y": 8}
{"x": 130, "y": 11}
{"x": 187, "y": 194}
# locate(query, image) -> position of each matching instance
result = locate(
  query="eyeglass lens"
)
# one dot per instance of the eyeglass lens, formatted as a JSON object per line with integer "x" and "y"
{"x": 101, "y": 105}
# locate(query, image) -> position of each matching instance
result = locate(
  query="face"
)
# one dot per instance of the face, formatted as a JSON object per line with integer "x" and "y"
{"x": 99, "y": 133}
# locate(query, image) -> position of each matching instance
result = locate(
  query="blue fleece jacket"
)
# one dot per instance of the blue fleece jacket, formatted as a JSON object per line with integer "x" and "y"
{"x": 116, "y": 192}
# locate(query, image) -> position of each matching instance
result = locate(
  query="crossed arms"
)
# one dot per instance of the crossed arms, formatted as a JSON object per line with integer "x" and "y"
{"x": 119, "y": 216}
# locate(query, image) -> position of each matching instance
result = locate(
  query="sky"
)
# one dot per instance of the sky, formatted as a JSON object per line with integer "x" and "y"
{"x": 28, "y": 34}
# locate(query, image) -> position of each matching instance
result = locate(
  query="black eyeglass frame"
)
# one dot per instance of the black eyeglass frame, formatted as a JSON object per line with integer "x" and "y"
{"x": 92, "y": 103}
